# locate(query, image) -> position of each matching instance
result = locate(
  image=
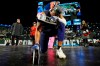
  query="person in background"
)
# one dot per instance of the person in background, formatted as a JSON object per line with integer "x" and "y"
{"x": 32, "y": 32}
{"x": 85, "y": 32}
{"x": 16, "y": 32}
{"x": 84, "y": 25}
{"x": 78, "y": 13}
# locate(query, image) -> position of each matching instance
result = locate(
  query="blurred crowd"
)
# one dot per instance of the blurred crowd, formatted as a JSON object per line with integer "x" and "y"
{"x": 93, "y": 28}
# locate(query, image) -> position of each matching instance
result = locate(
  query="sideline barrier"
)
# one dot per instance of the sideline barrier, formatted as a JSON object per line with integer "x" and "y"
{"x": 68, "y": 43}
{"x": 65, "y": 42}
{"x": 21, "y": 42}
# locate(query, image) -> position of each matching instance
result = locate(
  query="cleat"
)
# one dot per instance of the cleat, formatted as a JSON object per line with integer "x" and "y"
{"x": 36, "y": 54}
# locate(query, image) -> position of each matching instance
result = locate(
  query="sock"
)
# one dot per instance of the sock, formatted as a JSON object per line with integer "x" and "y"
{"x": 58, "y": 47}
{"x": 36, "y": 42}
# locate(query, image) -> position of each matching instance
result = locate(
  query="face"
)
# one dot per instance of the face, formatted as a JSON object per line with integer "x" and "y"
{"x": 83, "y": 22}
{"x": 52, "y": 13}
{"x": 18, "y": 20}
{"x": 34, "y": 23}
{"x": 52, "y": 4}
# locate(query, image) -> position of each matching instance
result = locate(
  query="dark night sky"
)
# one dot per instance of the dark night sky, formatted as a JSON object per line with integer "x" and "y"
{"x": 26, "y": 10}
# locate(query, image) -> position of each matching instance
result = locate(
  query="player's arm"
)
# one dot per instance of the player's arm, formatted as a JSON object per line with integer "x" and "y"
{"x": 62, "y": 19}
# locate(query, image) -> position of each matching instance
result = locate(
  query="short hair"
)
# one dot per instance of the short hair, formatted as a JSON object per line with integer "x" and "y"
{"x": 34, "y": 22}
